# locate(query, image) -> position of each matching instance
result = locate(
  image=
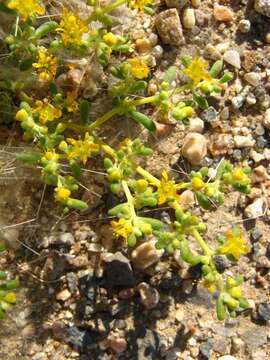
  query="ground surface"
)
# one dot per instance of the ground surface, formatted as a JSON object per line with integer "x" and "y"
{"x": 69, "y": 307}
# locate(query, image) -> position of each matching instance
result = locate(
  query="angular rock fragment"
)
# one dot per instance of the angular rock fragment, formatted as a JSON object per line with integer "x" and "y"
{"x": 169, "y": 27}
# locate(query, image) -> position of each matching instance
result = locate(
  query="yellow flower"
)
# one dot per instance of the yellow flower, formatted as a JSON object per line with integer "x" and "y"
{"x": 72, "y": 103}
{"x": 139, "y": 69}
{"x": 167, "y": 189}
{"x": 46, "y": 111}
{"x": 82, "y": 149}
{"x": 197, "y": 183}
{"x": 138, "y": 4}
{"x": 239, "y": 176}
{"x": 122, "y": 227}
{"x": 110, "y": 39}
{"x": 46, "y": 65}
{"x": 51, "y": 156}
{"x": 27, "y": 8}
{"x": 235, "y": 244}
{"x": 197, "y": 72}
{"x": 62, "y": 194}
{"x": 72, "y": 29}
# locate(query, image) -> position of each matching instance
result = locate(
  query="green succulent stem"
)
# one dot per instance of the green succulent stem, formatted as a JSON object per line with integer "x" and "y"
{"x": 117, "y": 110}
{"x": 201, "y": 242}
{"x": 145, "y": 174}
{"x": 130, "y": 201}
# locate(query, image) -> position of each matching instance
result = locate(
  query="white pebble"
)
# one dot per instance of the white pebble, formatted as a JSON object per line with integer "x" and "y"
{"x": 244, "y": 26}
{"x": 243, "y": 141}
{"x": 189, "y": 19}
{"x": 255, "y": 209}
{"x": 232, "y": 57}
{"x": 196, "y": 125}
{"x": 251, "y": 99}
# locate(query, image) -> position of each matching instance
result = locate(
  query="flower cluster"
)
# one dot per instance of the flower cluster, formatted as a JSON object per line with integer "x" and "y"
{"x": 46, "y": 65}
{"x": 27, "y": 8}
{"x": 60, "y": 125}
{"x": 72, "y": 28}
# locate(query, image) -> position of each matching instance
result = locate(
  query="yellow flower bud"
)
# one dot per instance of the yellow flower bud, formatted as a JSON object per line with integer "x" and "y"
{"x": 142, "y": 185}
{"x": 22, "y": 115}
{"x": 63, "y": 146}
{"x": 110, "y": 39}
{"x": 236, "y": 292}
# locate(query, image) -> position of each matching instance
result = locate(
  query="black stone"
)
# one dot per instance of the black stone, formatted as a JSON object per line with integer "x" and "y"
{"x": 170, "y": 281}
{"x": 118, "y": 271}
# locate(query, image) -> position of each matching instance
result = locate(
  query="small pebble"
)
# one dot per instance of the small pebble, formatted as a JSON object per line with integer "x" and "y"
{"x": 237, "y": 155}
{"x": 153, "y": 38}
{"x": 266, "y": 119}
{"x": 253, "y": 78}
{"x": 261, "y": 142}
{"x": 232, "y": 57}
{"x": 196, "y": 125}
{"x": 211, "y": 52}
{"x": 143, "y": 45}
{"x": 244, "y": 26}
{"x": 255, "y": 209}
{"x": 157, "y": 52}
{"x": 264, "y": 311}
{"x": 223, "y": 13}
{"x": 189, "y": 18}
{"x": 238, "y": 102}
{"x": 243, "y": 141}
{"x": 194, "y": 148}
{"x": 251, "y": 99}
{"x": 63, "y": 295}
{"x": 117, "y": 344}
{"x": 146, "y": 255}
{"x": 267, "y": 38}
{"x": 149, "y": 296}
{"x": 196, "y": 3}
{"x": 225, "y": 113}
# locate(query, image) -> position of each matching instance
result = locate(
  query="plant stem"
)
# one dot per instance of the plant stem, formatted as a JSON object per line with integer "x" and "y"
{"x": 104, "y": 118}
{"x": 153, "y": 180}
{"x": 202, "y": 243}
{"x": 130, "y": 201}
{"x": 111, "y": 7}
{"x": 101, "y": 120}
{"x": 144, "y": 101}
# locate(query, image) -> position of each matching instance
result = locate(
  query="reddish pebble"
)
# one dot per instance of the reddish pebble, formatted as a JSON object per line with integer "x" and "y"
{"x": 222, "y": 13}
{"x": 118, "y": 345}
